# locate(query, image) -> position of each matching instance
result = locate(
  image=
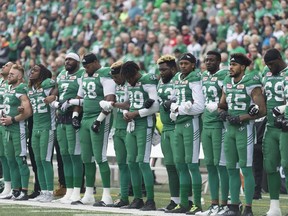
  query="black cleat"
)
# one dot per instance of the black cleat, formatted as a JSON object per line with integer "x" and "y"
{"x": 34, "y": 194}
{"x": 257, "y": 196}
{"x": 248, "y": 212}
{"x": 170, "y": 206}
{"x": 194, "y": 209}
{"x": 100, "y": 204}
{"x": 149, "y": 206}
{"x": 137, "y": 203}
{"x": 234, "y": 210}
{"x": 178, "y": 209}
{"x": 22, "y": 196}
{"x": 119, "y": 203}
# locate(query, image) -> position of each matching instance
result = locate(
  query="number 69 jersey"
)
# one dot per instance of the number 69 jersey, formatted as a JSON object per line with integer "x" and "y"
{"x": 238, "y": 95}
{"x": 212, "y": 85}
{"x": 273, "y": 89}
{"x": 43, "y": 114}
{"x": 93, "y": 89}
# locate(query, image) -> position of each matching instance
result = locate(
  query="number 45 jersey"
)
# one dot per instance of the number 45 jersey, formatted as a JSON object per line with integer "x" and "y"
{"x": 238, "y": 95}
{"x": 212, "y": 85}
{"x": 43, "y": 114}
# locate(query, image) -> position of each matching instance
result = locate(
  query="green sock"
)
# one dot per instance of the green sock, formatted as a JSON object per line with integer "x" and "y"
{"x": 5, "y": 169}
{"x": 274, "y": 185}
{"x": 213, "y": 180}
{"x": 148, "y": 179}
{"x": 49, "y": 174}
{"x": 185, "y": 183}
{"x": 136, "y": 179}
{"x": 286, "y": 174}
{"x": 68, "y": 170}
{"x": 105, "y": 174}
{"x": 196, "y": 183}
{"x": 224, "y": 182}
{"x": 24, "y": 171}
{"x": 249, "y": 184}
{"x": 90, "y": 172}
{"x": 41, "y": 175}
{"x": 173, "y": 180}
{"x": 77, "y": 170}
{"x": 234, "y": 185}
{"x": 14, "y": 173}
{"x": 124, "y": 181}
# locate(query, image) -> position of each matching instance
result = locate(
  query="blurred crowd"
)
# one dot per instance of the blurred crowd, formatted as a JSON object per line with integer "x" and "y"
{"x": 43, "y": 31}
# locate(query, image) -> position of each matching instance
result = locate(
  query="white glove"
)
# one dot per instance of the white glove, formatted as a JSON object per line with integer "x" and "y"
{"x": 131, "y": 126}
{"x": 55, "y": 104}
{"x": 173, "y": 107}
{"x": 188, "y": 106}
{"x": 173, "y": 116}
{"x": 211, "y": 107}
{"x": 65, "y": 105}
{"x": 106, "y": 105}
{"x": 76, "y": 102}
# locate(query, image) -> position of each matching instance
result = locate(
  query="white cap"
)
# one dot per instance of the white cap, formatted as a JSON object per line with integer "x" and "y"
{"x": 73, "y": 56}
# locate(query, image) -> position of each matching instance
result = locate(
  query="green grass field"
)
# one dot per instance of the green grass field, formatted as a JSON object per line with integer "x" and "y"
{"x": 161, "y": 198}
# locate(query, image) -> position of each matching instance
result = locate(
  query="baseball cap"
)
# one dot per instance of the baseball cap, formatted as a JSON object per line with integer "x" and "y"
{"x": 89, "y": 58}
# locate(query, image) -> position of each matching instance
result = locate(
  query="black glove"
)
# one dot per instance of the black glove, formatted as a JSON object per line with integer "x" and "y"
{"x": 223, "y": 115}
{"x": 148, "y": 103}
{"x": 167, "y": 105}
{"x": 234, "y": 120}
{"x": 276, "y": 112}
{"x": 253, "y": 110}
{"x": 285, "y": 125}
{"x": 96, "y": 126}
{"x": 278, "y": 121}
{"x": 76, "y": 122}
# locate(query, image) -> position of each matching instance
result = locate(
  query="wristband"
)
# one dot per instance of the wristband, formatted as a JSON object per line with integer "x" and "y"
{"x": 13, "y": 119}
{"x": 101, "y": 117}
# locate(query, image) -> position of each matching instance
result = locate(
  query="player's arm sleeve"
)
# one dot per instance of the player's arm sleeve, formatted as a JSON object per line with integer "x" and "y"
{"x": 48, "y": 91}
{"x": 80, "y": 93}
{"x": 198, "y": 103}
{"x": 152, "y": 93}
{"x": 109, "y": 86}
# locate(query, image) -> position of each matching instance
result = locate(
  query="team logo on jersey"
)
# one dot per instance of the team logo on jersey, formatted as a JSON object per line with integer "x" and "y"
{"x": 30, "y": 92}
{"x": 85, "y": 75}
{"x": 256, "y": 77}
{"x": 73, "y": 78}
{"x": 269, "y": 74}
{"x": 95, "y": 75}
{"x": 185, "y": 82}
{"x": 62, "y": 77}
{"x": 214, "y": 79}
{"x": 12, "y": 91}
{"x": 229, "y": 85}
{"x": 176, "y": 82}
{"x": 187, "y": 125}
{"x": 240, "y": 86}
{"x": 40, "y": 90}
{"x": 205, "y": 78}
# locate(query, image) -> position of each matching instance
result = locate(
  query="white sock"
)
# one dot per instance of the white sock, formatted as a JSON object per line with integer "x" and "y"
{"x": 68, "y": 194}
{"x": 176, "y": 199}
{"x": 274, "y": 204}
{"x": 7, "y": 188}
{"x": 106, "y": 196}
{"x": 89, "y": 191}
{"x": 76, "y": 194}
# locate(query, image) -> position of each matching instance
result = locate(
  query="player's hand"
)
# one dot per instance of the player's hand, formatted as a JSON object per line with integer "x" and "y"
{"x": 234, "y": 120}
{"x": 20, "y": 109}
{"x": 278, "y": 121}
{"x": 211, "y": 107}
{"x": 173, "y": 116}
{"x": 223, "y": 115}
{"x": 131, "y": 126}
{"x": 106, "y": 105}
{"x": 276, "y": 112}
{"x": 65, "y": 105}
{"x": 49, "y": 99}
{"x": 148, "y": 103}
{"x": 285, "y": 125}
{"x": 76, "y": 122}
{"x": 253, "y": 110}
{"x": 167, "y": 105}
{"x": 174, "y": 107}
{"x": 96, "y": 126}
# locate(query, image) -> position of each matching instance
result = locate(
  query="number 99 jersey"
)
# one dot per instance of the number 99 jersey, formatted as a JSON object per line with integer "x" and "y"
{"x": 212, "y": 85}
{"x": 238, "y": 95}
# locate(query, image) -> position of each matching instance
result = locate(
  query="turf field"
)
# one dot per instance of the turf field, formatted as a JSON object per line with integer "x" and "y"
{"x": 9, "y": 207}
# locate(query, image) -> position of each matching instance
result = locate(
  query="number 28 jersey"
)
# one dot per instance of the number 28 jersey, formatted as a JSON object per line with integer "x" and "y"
{"x": 93, "y": 89}
{"x": 238, "y": 95}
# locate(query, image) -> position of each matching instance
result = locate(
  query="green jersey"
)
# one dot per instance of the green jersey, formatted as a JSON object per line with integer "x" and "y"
{"x": 43, "y": 114}
{"x": 93, "y": 89}
{"x": 139, "y": 93}
{"x": 212, "y": 85}
{"x": 165, "y": 92}
{"x": 121, "y": 96}
{"x": 285, "y": 83}
{"x": 273, "y": 89}
{"x": 188, "y": 89}
{"x": 3, "y": 87}
{"x": 68, "y": 85}
{"x": 238, "y": 95}
{"x": 12, "y": 102}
